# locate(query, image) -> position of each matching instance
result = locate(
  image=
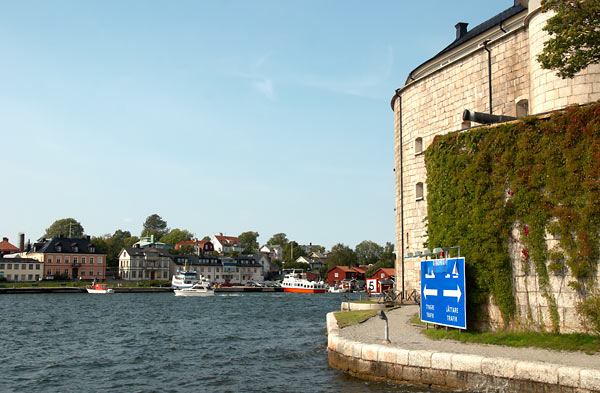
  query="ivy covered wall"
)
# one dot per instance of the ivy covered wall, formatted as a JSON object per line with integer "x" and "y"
{"x": 540, "y": 177}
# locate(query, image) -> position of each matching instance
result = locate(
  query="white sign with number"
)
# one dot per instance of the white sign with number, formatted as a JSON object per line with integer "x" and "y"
{"x": 372, "y": 285}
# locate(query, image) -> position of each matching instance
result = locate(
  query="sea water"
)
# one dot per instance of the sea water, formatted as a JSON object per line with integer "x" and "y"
{"x": 156, "y": 342}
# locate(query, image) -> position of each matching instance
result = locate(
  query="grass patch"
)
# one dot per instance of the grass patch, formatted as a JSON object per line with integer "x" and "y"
{"x": 558, "y": 342}
{"x": 416, "y": 320}
{"x": 346, "y": 318}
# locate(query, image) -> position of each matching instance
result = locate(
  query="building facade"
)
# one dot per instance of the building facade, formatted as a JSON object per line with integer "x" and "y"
{"x": 226, "y": 244}
{"x": 489, "y": 69}
{"x": 137, "y": 264}
{"x": 17, "y": 269}
{"x": 69, "y": 258}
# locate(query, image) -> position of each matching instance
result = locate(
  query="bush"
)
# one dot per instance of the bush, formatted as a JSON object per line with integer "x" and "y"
{"x": 588, "y": 311}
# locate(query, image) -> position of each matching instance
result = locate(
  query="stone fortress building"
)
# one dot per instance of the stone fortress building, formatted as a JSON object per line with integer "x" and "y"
{"x": 491, "y": 68}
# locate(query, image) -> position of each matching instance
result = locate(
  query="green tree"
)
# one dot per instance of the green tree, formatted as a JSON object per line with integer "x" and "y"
{"x": 292, "y": 251}
{"x": 249, "y": 242}
{"x": 155, "y": 225}
{"x": 177, "y": 235}
{"x": 386, "y": 260}
{"x": 113, "y": 244}
{"x": 278, "y": 239}
{"x": 67, "y": 227}
{"x": 574, "y": 41}
{"x": 206, "y": 238}
{"x": 368, "y": 252}
{"x": 341, "y": 255}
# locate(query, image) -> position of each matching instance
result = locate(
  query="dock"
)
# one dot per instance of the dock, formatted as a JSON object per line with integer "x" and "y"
{"x": 65, "y": 289}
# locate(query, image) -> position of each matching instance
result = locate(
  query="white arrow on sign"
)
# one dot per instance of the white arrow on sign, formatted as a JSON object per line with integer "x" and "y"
{"x": 430, "y": 292}
{"x": 453, "y": 293}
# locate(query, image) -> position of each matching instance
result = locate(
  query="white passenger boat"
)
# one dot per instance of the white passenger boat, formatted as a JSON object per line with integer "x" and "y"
{"x": 200, "y": 288}
{"x": 297, "y": 282}
{"x": 184, "y": 278}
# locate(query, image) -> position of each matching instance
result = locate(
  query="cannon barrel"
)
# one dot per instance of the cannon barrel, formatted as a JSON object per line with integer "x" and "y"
{"x": 485, "y": 118}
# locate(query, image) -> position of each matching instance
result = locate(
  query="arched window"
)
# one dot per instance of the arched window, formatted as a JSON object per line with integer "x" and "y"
{"x": 419, "y": 191}
{"x": 418, "y": 145}
{"x": 522, "y": 108}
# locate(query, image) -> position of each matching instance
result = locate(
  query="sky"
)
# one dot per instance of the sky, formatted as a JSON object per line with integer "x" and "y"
{"x": 220, "y": 116}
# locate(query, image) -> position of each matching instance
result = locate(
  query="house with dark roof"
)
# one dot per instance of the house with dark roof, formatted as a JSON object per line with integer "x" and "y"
{"x": 200, "y": 246}
{"x": 19, "y": 269}
{"x": 70, "y": 258}
{"x": 137, "y": 264}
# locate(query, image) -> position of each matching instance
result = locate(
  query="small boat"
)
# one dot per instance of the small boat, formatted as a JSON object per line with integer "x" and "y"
{"x": 297, "y": 282}
{"x": 201, "y": 288}
{"x": 99, "y": 288}
{"x": 338, "y": 289}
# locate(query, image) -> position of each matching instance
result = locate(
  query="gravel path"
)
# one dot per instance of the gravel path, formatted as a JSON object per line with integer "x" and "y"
{"x": 406, "y": 336}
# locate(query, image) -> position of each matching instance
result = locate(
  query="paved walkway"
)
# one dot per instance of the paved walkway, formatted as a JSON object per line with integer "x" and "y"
{"x": 406, "y": 336}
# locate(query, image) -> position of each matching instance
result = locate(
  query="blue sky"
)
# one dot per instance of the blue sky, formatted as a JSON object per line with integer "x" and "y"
{"x": 221, "y": 116}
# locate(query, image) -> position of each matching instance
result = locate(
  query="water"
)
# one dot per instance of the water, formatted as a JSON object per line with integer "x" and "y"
{"x": 263, "y": 342}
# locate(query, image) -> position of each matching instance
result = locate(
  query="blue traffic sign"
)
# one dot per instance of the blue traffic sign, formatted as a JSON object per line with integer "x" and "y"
{"x": 443, "y": 292}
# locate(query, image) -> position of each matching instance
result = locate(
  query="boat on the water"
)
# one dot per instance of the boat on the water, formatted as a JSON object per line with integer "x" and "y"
{"x": 297, "y": 282}
{"x": 337, "y": 289}
{"x": 200, "y": 288}
{"x": 99, "y": 288}
{"x": 184, "y": 278}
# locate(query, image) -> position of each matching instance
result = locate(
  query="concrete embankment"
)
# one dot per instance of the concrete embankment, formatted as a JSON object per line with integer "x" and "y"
{"x": 413, "y": 359}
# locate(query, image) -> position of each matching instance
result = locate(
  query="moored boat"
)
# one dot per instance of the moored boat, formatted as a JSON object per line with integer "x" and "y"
{"x": 99, "y": 288}
{"x": 297, "y": 282}
{"x": 338, "y": 289}
{"x": 184, "y": 279}
{"x": 200, "y": 288}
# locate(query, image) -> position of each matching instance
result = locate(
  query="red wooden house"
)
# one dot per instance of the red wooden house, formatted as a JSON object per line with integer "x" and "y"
{"x": 337, "y": 274}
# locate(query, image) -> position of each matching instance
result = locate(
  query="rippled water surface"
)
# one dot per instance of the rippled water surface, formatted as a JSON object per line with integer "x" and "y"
{"x": 263, "y": 342}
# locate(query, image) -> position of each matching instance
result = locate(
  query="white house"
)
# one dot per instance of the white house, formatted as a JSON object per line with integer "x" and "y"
{"x": 226, "y": 244}
{"x": 136, "y": 264}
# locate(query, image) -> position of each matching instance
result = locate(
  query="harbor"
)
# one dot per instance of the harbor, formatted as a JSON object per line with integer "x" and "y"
{"x": 66, "y": 289}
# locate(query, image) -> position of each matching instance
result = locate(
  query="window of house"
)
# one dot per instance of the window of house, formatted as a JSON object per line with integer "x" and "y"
{"x": 83, "y": 273}
{"x": 49, "y": 260}
{"x": 91, "y": 273}
{"x": 1, "y": 266}
{"x": 37, "y": 266}
{"x": 418, "y": 145}
{"x": 99, "y": 260}
{"x": 133, "y": 274}
{"x": 49, "y": 271}
{"x": 91, "y": 259}
{"x": 57, "y": 259}
{"x": 30, "y": 277}
{"x": 31, "y": 266}
{"x": 74, "y": 259}
{"x": 419, "y": 191}
{"x": 82, "y": 259}
{"x": 66, "y": 259}
{"x": 336, "y": 275}
{"x": 23, "y": 266}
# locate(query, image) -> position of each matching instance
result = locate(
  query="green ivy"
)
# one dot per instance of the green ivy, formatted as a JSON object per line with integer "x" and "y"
{"x": 542, "y": 175}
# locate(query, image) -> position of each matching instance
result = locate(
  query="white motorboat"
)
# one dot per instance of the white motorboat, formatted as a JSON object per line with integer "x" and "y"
{"x": 338, "y": 289}
{"x": 99, "y": 288}
{"x": 200, "y": 288}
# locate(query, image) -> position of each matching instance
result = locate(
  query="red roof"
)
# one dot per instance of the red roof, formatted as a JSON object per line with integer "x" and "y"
{"x": 225, "y": 240}
{"x": 201, "y": 243}
{"x": 6, "y": 247}
{"x": 349, "y": 269}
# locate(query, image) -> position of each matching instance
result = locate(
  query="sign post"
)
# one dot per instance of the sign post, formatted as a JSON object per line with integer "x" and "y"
{"x": 443, "y": 292}
{"x": 372, "y": 286}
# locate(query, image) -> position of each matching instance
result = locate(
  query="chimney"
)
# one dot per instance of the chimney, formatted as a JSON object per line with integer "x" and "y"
{"x": 5, "y": 239}
{"x": 461, "y": 29}
{"x": 22, "y": 241}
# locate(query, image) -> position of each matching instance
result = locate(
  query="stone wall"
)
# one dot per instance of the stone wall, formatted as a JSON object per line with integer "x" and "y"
{"x": 454, "y": 371}
{"x": 433, "y": 105}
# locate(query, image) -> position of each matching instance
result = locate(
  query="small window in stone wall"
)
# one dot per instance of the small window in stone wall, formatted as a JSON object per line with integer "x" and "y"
{"x": 419, "y": 191}
{"x": 418, "y": 146}
{"x": 522, "y": 108}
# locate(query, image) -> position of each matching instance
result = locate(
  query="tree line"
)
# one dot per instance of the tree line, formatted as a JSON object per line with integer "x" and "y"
{"x": 365, "y": 253}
